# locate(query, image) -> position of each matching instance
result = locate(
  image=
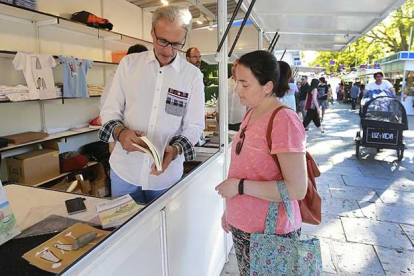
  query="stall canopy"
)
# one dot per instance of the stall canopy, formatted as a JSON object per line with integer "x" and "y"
{"x": 320, "y": 25}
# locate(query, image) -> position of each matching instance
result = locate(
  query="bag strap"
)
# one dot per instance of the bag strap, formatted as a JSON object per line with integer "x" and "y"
{"x": 273, "y": 210}
{"x": 269, "y": 136}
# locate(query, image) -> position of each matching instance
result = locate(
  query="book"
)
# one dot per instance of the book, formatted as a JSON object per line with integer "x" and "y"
{"x": 116, "y": 211}
{"x": 8, "y": 223}
{"x": 152, "y": 151}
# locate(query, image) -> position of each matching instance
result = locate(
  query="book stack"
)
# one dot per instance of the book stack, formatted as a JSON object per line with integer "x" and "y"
{"x": 8, "y": 224}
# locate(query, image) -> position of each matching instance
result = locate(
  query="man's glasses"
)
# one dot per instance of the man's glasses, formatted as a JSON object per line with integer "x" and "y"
{"x": 241, "y": 141}
{"x": 164, "y": 43}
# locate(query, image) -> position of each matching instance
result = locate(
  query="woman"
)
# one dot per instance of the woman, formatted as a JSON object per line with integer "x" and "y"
{"x": 287, "y": 84}
{"x": 252, "y": 169}
{"x": 312, "y": 107}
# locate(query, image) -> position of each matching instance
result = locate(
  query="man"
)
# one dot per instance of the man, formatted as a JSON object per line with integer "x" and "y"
{"x": 137, "y": 48}
{"x": 161, "y": 96}
{"x": 355, "y": 90}
{"x": 380, "y": 84}
{"x": 236, "y": 109}
{"x": 303, "y": 90}
{"x": 323, "y": 95}
{"x": 193, "y": 56}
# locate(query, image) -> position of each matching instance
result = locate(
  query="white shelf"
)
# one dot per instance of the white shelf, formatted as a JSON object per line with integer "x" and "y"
{"x": 59, "y": 135}
{"x": 90, "y": 164}
{"x": 14, "y": 13}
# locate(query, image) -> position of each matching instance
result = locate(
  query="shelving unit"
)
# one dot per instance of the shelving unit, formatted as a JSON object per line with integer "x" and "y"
{"x": 40, "y": 19}
{"x": 90, "y": 164}
{"x": 11, "y": 54}
{"x": 55, "y": 136}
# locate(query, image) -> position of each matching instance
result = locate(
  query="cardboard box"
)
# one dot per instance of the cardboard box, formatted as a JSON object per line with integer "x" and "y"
{"x": 34, "y": 167}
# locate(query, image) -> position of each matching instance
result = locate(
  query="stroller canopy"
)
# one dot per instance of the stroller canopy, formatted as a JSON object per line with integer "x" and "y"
{"x": 380, "y": 105}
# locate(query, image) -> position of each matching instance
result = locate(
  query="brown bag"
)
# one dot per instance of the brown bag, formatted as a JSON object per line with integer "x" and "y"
{"x": 311, "y": 205}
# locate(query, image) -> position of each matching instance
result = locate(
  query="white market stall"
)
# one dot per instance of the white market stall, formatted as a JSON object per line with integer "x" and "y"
{"x": 180, "y": 233}
{"x": 399, "y": 69}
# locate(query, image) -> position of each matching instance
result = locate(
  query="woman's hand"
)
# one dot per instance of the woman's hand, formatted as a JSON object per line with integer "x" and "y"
{"x": 224, "y": 224}
{"x": 228, "y": 188}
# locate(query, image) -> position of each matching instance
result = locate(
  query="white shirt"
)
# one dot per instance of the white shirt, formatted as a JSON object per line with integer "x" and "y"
{"x": 37, "y": 70}
{"x": 139, "y": 96}
{"x": 385, "y": 85}
{"x": 236, "y": 109}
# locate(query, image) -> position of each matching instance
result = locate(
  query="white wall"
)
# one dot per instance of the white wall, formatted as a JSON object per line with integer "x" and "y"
{"x": 20, "y": 35}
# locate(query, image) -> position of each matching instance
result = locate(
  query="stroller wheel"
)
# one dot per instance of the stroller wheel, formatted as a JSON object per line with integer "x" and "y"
{"x": 400, "y": 154}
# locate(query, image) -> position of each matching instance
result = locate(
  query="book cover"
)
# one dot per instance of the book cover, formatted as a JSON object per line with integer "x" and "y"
{"x": 8, "y": 224}
{"x": 115, "y": 212}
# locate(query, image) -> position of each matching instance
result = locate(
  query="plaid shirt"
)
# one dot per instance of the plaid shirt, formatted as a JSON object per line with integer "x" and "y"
{"x": 188, "y": 148}
{"x": 106, "y": 130}
{"x": 105, "y": 134}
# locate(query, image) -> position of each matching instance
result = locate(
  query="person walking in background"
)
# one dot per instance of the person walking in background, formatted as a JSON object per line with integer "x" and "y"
{"x": 323, "y": 96}
{"x": 312, "y": 107}
{"x": 287, "y": 83}
{"x": 251, "y": 183}
{"x": 361, "y": 92}
{"x": 380, "y": 84}
{"x": 330, "y": 96}
{"x": 355, "y": 90}
{"x": 302, "y": 95}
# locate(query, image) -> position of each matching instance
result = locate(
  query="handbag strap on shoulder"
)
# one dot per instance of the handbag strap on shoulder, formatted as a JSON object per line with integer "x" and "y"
{"x": 273, "y": 210}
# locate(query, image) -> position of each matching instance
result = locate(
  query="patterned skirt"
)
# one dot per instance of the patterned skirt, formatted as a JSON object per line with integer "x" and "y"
{"x": 241, "y": 242}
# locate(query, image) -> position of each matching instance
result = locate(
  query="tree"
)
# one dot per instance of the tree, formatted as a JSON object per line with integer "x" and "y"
{"x": 391, "y": 35}
{"x": 395, "y": 35}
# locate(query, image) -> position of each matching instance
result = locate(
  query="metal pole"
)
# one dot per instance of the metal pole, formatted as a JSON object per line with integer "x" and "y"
{"x": 260, "y": 42}
{"x": 274, "y": 45}
{"x": 236, "y": 10}
{"x": 221, "y": 57}
{"x": 272, "y": 41}
{"x": 411, "y": 37}
{"x": 242, "y": 27}
{"x": 283, "y": 55}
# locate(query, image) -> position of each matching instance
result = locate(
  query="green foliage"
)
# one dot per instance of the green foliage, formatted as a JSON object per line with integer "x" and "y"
{"x": 210, "y": 79}
{"x": 391, "y": 35}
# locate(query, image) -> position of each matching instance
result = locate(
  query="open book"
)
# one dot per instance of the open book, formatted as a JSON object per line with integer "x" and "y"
{"x": 152, "y": 151}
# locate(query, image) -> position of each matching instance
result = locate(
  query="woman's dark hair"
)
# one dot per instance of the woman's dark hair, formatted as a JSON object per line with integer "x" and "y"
{"x": 378, "y": 74}
{"x": 314, "y": 84}
{"x": 264, "y": 67}
{"x": 285, "y": 75}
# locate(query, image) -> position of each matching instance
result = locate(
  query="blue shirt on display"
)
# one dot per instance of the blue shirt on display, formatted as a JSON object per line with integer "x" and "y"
{"x": 74, "y": 76}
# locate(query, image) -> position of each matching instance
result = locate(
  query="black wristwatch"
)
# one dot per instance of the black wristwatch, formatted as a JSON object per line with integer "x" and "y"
{"x": 241, "y": 186}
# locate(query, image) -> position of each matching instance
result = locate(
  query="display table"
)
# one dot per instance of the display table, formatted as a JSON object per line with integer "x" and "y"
{"x": 31, "y": 205}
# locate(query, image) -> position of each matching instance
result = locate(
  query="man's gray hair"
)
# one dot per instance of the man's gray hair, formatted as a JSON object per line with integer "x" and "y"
{"x": 175, "y": 14}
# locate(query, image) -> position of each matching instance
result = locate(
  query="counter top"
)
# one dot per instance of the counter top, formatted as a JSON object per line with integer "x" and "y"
{"x": 31, "y": 205}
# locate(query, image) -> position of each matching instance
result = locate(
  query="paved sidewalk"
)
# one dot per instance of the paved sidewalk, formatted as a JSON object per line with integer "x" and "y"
{"x": 368, "y": 206}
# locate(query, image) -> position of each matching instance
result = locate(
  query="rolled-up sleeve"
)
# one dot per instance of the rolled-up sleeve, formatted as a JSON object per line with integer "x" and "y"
{"x": 112, "y": 112}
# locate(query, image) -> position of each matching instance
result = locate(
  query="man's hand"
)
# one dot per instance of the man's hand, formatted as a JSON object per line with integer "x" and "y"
{"x": 228, "y": 188}
{"x": 169, "y": 155}
{"x": 128, "y": 137}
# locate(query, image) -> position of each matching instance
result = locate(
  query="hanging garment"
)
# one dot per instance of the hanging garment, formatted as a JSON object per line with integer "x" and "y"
{"x": 74, "y": 76}
{"x": 37, "y": 70}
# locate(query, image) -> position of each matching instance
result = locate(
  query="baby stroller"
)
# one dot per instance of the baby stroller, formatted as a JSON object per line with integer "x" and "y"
{"x": 383, "y": 120}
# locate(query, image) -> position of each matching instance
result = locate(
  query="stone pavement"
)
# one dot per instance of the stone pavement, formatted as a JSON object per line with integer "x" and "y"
{"x": 368, "y": 204}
